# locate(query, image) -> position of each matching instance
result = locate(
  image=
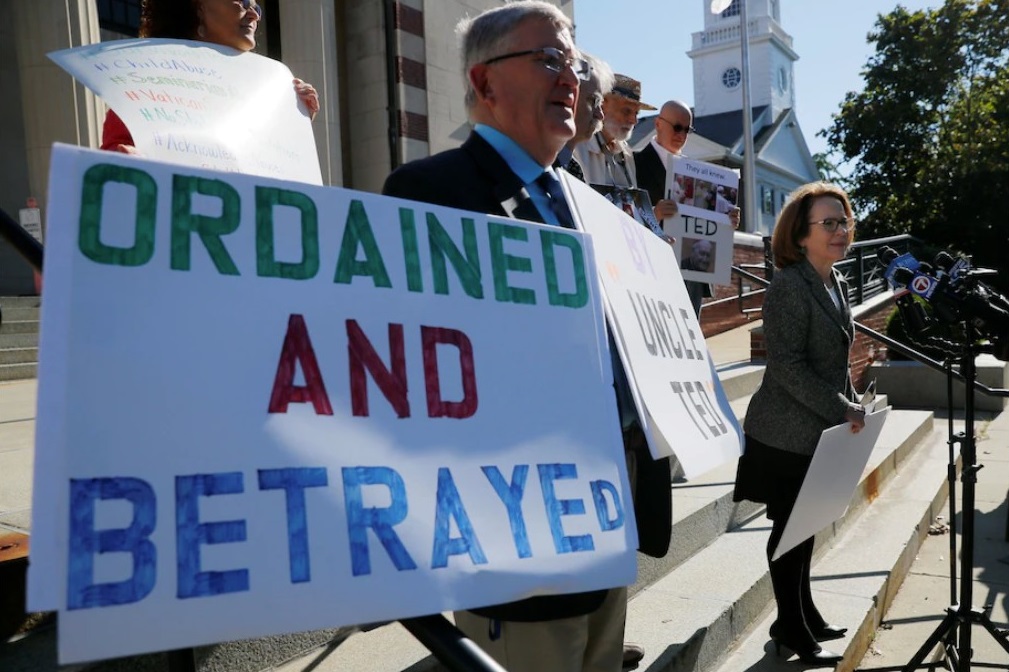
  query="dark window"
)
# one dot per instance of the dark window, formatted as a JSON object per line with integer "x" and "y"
{"x": 731, "y": 10}
{"x": 120, "y": 16}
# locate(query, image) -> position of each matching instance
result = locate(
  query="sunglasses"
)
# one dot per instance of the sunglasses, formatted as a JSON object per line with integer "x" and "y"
{"x": 552, "y": 59}
{"x": 832, "y": 224}
{"x": 246, "y": 5}
{"x": 678, "y": 128}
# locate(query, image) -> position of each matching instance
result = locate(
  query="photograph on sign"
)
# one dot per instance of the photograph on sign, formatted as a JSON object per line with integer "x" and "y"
{"x": 300, "y": 407}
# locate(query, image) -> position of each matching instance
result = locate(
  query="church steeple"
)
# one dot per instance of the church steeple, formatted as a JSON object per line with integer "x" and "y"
{"x": 718, "y": 66}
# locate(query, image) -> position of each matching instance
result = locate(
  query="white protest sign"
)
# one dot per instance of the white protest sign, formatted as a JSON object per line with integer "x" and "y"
{"x": 30, "y": 220}
{"x": 678, "y": 395}
{"x": 267, "y": 407}
{"x": 833, "y": 474}
{"x": 704, "y": 193}
{"x": 202, "y": 105}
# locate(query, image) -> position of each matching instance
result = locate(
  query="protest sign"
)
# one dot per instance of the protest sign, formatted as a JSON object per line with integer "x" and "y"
{"x": 678, "y": 395}
{"x": 267, "y": 407}
{"x": 704, "y": 193}
{"x": 635, "y": 202}
{"x": 833, "y": 475}
{"x": 202, "y": 105}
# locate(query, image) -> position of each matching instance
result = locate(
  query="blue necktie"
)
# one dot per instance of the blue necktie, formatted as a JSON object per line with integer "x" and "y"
{"x": 551, "y": 186}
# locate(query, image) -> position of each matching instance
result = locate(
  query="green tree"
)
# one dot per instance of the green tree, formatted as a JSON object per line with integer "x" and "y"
{"x": 928, "y": 137}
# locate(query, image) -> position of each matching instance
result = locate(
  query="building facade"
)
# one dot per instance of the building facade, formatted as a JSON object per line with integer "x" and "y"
{"x": 388, "y": 74}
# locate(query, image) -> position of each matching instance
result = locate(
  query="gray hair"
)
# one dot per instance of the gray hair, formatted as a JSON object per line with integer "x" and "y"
{"x": 488, "y": 34}
{"x": 601, "y": 72}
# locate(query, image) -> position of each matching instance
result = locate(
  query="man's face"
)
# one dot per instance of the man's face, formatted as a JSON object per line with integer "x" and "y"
{"x": 700, "y": 254}
{"x": 670, "y": 118}
{"x": 589, "y": 111}
{"x": 528, "y": 102}
{"x": 621, "y": 116}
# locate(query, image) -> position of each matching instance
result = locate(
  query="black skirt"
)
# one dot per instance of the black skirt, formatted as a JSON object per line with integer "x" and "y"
{"x": 769, "y": 475}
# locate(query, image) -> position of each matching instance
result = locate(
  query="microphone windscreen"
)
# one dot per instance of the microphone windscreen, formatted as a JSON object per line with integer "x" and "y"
{"x": 886, "y": 255}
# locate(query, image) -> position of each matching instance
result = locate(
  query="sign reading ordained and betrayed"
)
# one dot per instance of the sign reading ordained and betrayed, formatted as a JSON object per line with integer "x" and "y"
{"x": 202, "y": 105}
{"x": 267, "y": 407}
{"x": 678, "y": 394}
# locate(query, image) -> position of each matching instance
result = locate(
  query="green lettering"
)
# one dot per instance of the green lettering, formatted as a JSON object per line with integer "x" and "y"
{"x": 92, "y": 195}
{"x": 548, "y": 239}
{"x": 209, "y": 229}
{"x": 466, "y": 269}
{"x": 268, "y": 198}
{"x": 501, "y": 263}
{"x": 358, "y": 234}
{"x": 408, "y": 227}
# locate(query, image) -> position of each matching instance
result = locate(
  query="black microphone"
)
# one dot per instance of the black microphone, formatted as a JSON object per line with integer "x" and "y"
{"x": 886, "y": 255}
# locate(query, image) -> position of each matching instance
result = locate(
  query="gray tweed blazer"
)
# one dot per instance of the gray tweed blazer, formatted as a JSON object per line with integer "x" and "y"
{"x": 808, "y": 340}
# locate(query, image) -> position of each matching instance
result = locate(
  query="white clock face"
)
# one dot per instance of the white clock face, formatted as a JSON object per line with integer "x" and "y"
{"x": 731, "y": 78}
{"x": 782, "y": 79}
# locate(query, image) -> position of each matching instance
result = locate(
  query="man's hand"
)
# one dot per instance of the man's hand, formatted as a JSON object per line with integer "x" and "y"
{"x": 665, "y": 209}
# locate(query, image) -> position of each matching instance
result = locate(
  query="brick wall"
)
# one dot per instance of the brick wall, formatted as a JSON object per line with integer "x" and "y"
{"x": 725, "y": 316}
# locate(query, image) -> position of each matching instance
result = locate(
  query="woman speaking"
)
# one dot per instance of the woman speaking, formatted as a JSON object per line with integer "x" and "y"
{"x": 806, "y": 389}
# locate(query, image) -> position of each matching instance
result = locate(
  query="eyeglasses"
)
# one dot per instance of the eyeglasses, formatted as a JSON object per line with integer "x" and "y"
{"x": 552, "y": 59}
{"x": 679, "y": 128}
{"x": 832, "y": 224}
{"x": 246, "y": 5}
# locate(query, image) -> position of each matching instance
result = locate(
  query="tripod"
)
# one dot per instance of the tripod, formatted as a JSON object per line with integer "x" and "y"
{"x": 954, "y": 631}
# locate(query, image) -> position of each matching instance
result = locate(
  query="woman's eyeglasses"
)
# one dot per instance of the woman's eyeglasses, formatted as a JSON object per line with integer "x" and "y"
{"x": 679, "y": 128}
{"x": 246, "y": 5}
{"x": 552, "y": 59}
{"x": 832, "y": 224}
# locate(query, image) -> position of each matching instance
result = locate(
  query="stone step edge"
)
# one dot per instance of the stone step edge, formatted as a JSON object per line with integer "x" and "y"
{"x": 703, "y": 525}
{"x": 716, "y": 647}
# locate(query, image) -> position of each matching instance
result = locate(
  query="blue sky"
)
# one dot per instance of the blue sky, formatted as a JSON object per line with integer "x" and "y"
{"x": 648, "y": 40}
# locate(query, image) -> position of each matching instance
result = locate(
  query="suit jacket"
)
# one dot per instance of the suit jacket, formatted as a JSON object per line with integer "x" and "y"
{"x": 651, "y": 173}
{"x": 807, "y": 381}
{"x": 475, "y": 177}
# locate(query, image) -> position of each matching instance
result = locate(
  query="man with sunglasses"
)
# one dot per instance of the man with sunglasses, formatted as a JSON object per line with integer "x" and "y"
{"x": 672, "y": 126}
{"x": 523, "y": 75}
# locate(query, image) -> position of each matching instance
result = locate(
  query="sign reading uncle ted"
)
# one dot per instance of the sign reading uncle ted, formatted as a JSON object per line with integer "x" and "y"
{"x": 268, "y": 407}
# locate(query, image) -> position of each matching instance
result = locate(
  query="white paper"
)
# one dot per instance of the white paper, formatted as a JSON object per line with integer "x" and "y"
{"x": 202, "y": 105}
{"x": 833, "y": 475}
{"x": 679, "y": 397}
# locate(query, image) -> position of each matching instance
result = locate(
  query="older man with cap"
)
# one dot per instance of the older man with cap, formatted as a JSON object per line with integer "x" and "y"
{"x": 522, "y": 81}
{"x": 606, "y": 157}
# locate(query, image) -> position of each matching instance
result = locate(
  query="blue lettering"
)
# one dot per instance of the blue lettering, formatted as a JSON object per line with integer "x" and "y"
{"x": 293, "y": 482}
{"x": 603, "y": 508}
{"x": 381, "y": 521}
{"x": 450, "y": 506}
{"x": 85, "y": 542}
{"x": 511, "y": 496}
{"x": 555, "y": 508}
{"x": 190, "y": 534}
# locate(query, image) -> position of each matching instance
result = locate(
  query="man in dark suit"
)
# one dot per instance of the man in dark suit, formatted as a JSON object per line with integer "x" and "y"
{"x": 522, "y": 74}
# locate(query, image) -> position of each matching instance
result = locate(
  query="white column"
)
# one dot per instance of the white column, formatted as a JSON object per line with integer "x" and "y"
{"x": 56, "y": 108}
{"x": 308, "y": 46}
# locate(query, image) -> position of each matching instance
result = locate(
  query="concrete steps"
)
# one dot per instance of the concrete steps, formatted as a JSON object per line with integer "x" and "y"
{"x": 706, "y": 606}
{"x": 19, "y": 337}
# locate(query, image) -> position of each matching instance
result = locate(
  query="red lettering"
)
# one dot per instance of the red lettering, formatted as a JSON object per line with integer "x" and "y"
{"x": 298, "y": 350}
{"x": 436, "y": 406}
{"x": 392, "y": 383}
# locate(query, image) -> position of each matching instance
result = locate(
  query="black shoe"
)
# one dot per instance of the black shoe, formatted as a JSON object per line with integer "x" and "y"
{"x": 633, "y": 653}
{"x": 804, "y": 646}
{"x": 828, "y": 632}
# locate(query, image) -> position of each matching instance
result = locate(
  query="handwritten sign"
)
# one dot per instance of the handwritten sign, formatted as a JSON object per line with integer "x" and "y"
{"x": 202, "y": 105}
{"x": 296, "y": 407}
{"x": 705, "y": 193}
{"x": 678, "y": 395}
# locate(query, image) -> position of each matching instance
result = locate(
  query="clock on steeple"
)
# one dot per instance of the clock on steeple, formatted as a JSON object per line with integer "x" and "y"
{"x": 717, "y": 59}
